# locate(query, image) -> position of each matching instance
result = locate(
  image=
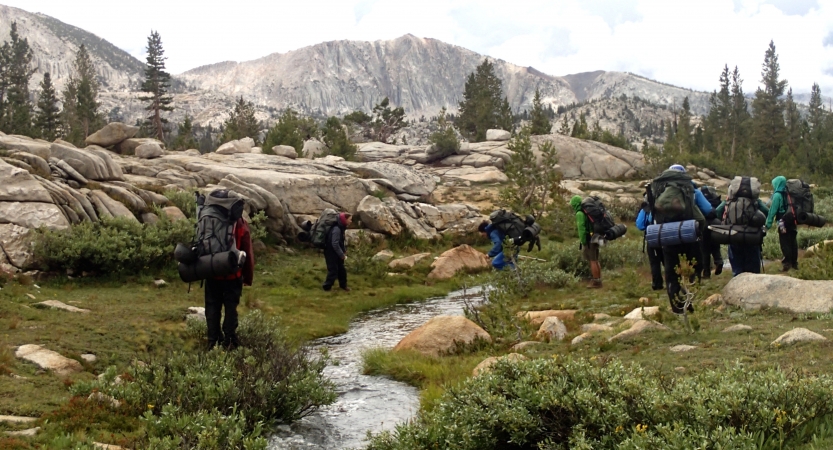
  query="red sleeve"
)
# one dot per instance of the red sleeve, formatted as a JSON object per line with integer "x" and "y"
{"x": 244, "y": 243}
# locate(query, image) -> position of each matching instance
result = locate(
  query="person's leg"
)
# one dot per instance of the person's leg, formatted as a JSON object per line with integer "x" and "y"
{"x": 706, "y": 252}
{"x": 753, "y": 259}
{"x": 793, "y": 248}
{"x": 786, "y": 250}
{"x": 717, "y": 256}
{"x": 232, "y": 290}
{"x": 591, "y": 254}
{"x": 655, "y": 261}
{"x": 342, "y": 275}
{"x": 671, "y": 255}
{"x": 332, "y": 269}
{"x": 499, "y": 261}
{"x": 735, "y": 258}
{"x": 213, "y": 310}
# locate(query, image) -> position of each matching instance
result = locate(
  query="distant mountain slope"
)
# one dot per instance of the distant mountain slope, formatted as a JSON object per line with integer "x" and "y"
{"x": 55, "y": 44}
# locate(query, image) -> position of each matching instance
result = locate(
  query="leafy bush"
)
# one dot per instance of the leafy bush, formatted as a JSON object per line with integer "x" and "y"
{"x": 818, "y": 266}
{"x": 184, "y": 200}
{"x": 550, "y": 404}
{"x": 230, "y": 395}
{"x": 444, "y": 139}
{"x": 567, "y": 257}
{"x": 114, "y": 245}
{"x": 495, "y": 313}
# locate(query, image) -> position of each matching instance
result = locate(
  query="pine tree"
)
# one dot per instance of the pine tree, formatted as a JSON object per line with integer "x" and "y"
{"x": 334, "y": 136}
{"x": 769, "y": 131}
{"x": 48, "y": 116}
{"x": 718, "y": 132}
{"x": 565, "y": 127}
{"x": 739, "y": 117}
{"x": 81, "y": 106}
{"x": 386, "y": 121}
{"x": 816, "y": 111}
{"x": 444, "y": 139}
{"x": 484, "y": 106}
{"x": 156, "y": 84}
{"x": 292, "y": 130}
{"x": 539, "y": 120}
{"x": 794, "y": 122}
{"x": 684, "y": 129}
{"x": 185, "y": 136}
{"x": 241, "y": 122}
{"x": 532, "y": 188}
{"x": 16, "y": 111}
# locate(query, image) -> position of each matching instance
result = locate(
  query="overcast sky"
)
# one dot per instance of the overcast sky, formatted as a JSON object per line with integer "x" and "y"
{"x": 685, "y": 43}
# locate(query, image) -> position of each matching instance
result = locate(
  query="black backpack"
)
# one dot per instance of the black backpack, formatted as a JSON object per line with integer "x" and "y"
{"x": 595, "y": 210}
{"x": 321, "y": 228}
{"x": 520, "y": 231}
{"x": 799, "y": 198}
{"x": 711, "y": 195}
{"x": 672, "y": 198}
{"x": 215, "y": 223}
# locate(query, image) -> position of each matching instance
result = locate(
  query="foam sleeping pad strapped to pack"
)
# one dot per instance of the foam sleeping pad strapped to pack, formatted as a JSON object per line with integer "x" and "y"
{"x": 810, "y": 219}
{"x": 672, "y": 233}
{"x": 736, "y": 235}
{"x": 616, "y": 232}
{"x": 209, "y": 266}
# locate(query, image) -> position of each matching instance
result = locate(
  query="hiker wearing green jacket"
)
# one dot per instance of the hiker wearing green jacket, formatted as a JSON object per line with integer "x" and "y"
{"x": 587, "y": 243}
{"x": 787, "y": 229}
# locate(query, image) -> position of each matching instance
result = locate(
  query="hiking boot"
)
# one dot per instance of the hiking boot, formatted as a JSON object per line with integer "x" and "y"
{"x": 595, "y": 283}
{"x": 785, "y": 268}
{"x": 690, "y": 308}
{"x": 657, "y": 287}
{"x": 677, "y": 308}
{"x": 346, "y": 289}
{"x": 718, "y": 268}
{"x": 327, "y": 288}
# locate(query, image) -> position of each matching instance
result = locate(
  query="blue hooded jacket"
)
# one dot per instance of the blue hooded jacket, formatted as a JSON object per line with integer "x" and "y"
{"x": 496, "y": 236}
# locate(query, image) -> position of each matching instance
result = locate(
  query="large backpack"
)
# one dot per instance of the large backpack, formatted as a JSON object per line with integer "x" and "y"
{"x": 321, "y": 228}
{"x": 509, "y": 223}
{"x": 215, "y": 224}
{"x": 595, "y": 210}
{"x": 742, "y": 203}
{"x": 672, "y": 198}
{"x": 799, "y": 198}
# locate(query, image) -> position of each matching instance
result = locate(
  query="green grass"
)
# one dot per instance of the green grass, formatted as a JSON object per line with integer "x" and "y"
{"x": 131, "y": 320}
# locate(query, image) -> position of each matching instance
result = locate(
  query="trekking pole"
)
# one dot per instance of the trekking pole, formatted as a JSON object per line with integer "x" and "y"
{"x": 532, "y": 258}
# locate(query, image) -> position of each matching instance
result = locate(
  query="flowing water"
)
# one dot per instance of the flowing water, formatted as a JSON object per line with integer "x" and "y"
{"x": 365, "y": 403}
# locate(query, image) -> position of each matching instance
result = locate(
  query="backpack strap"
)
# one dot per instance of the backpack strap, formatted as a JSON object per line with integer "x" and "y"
{"x": 792, "y": 207}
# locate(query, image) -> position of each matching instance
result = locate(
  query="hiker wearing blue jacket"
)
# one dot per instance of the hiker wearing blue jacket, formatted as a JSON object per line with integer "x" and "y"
{"x": 643, "y": 219}
{"x": 496, "y": 253}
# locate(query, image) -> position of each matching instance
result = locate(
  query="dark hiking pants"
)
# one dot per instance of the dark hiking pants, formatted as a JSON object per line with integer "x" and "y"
{"x": 745, "y": 258}
{"x": 711, "y": 252}
{"x": 789, "y": 248}
{"x": 671, "y": 256}
{"x": 335, "y": 270}
{"x": 655, "y": 259}
{"x": 221, "y": 294}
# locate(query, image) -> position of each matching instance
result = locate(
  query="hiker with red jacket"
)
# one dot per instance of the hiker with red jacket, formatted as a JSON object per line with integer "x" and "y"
{"x": 225, "y": 292}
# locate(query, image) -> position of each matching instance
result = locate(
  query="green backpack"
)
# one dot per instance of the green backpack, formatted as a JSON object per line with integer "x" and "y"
{"x": 672, "y": 198}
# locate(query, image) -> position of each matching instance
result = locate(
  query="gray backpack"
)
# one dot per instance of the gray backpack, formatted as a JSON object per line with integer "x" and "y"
{"x": 215, "y": 224}
{"x": 321, "y": 228}
{"x": 742, "y": 203}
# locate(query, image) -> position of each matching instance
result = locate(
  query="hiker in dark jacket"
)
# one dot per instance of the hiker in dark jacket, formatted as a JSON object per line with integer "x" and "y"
{"x": 710, "y": 250}
{"x": 588, "y": 243}
{"x": 496, "y": 253}
{"x": 744, "y": 258}
{"x": 335, "y": 253}
{"x": 787, "y": 228}
{"x": 643, "y": 219}
{"x": 225, "y": 292}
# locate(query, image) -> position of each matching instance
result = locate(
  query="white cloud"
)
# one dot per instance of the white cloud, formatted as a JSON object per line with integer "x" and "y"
{"x": 680, "y": 42}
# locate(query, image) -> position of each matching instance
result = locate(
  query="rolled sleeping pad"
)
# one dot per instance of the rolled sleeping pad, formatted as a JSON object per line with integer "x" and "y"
{"x": 209, "y": 266}
{"x": 616, "y": 232}
{"x": 306, "y": 225}
{"x": 758, "y": 219}
{"x": 530, "y": 232}
{"x": 304, "y": 236}
{"x": 672, "y": 233}
{"x": 810, "y": 219}
{"x": 184, "y": 254}
{"x": 736, "y": 235}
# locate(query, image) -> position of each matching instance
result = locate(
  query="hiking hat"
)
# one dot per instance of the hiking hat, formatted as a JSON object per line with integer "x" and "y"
{"x": 677, "y": 168}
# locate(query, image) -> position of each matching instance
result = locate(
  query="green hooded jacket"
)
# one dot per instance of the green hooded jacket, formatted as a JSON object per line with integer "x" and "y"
{"x": 581, "y": 220}
{"x": 777, "y": 205}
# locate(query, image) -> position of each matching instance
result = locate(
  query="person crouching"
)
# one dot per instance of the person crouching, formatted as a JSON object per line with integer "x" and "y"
{"x": 496, "y": 253}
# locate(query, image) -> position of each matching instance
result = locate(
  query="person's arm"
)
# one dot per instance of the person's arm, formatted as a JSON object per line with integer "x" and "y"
{"x": 335, "y": 241}
{"x": 702, "y": 203}
{"x": 497, "y": 248}
{"x": 244, "y": 243}
{"x": 762, "y": 207}
{"x": 581, "y": 224}
{"x": 718, "y": 212}
{"x": 773, "y": 209}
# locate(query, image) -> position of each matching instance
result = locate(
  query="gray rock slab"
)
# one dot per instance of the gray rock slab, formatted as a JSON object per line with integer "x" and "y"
{"x": 737, "y": 328}
{"x": 754, "y": 291}
{"x": 48, "y": 359}
{"x": 56, "y": 304}
{"x": 798, "y": 335}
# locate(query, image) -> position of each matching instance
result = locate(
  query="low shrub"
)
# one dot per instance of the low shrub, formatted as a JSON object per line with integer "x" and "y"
{"x": 807, "y": 237}
{"x": 114, "y": 245}
{"x": 552, "y": 404}
{"x": 184, "y": 200}
{"x": 818, "y": 266}
{"x": 566, "y": 256}
{"x": 230, "y": 395}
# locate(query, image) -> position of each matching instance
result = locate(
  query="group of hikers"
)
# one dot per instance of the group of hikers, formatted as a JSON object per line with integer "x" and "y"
{"x": 679, "y": 221}
{"x": 682, "y": 221}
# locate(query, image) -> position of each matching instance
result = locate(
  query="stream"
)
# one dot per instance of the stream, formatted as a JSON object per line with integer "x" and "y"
{"x": 365, "y": 403}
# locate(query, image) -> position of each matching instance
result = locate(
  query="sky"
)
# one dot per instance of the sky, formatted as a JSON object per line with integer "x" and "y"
{"x": 681, "y": 42}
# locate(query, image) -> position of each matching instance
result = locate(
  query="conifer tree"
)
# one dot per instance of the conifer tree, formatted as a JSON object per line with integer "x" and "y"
{"x": 720, "y": 105}
{"x": 769, "y": 130}
{"x": 81, "y": 106}
{"x": 16, "y": 59}
{"x": 334, "y": 136}
{"x": 386, "y": 121}
{"x": 739, "y": 117}
{"x": 794, "y": 124}
{"x": 156, "y": 84}
{"x": 48, "y": 116}
{"x": 539, "y": 120}
{"x": 241, "y": 122}
{"x": 185, "y": 136}
{"x": 444, "y": 139}
{"x": 484, "y": 106}
{"x": 291, "y": 130}
{"x": 533, "y": 188}
{"x": 565, "y": 127}
{"x": 816, "y": 113}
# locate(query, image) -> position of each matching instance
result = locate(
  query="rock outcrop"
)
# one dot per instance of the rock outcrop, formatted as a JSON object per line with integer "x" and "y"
{"x": 441, "y": 334}
{"x": 775, "y": 291}
{"x": 459, "y": 258}
{"x": 48, "y": 359}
